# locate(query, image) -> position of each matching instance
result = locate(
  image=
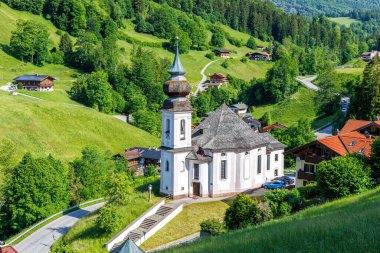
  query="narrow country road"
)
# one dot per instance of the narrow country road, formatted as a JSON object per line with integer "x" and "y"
{"x": 307, "y": 82}
{"x": 41, "y": 240}
{"x": 200, "y": 86}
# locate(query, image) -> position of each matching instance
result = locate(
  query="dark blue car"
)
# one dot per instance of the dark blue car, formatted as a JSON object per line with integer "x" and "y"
{"x": 274, "y": 185}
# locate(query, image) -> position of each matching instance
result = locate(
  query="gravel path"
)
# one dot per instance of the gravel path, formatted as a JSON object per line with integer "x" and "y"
{"x": 200, "y": 86}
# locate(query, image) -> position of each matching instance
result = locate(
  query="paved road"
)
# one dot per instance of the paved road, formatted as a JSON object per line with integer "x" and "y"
{"x": 200, "y": 86}
{"x": 307, "y": 82}
{"x": 41, "y": 240}
{"x": 324, "y": 132}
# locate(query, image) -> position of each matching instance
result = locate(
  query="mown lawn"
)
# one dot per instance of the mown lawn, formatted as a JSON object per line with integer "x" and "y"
{"x": 186, "y": 223}
{"x": 347, "y": 225}
{"x": 44, "y": 127}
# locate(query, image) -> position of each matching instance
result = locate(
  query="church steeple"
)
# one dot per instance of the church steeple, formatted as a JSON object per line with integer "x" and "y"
{"x": 177, "y": 86}
{"x": 177, "y": 69}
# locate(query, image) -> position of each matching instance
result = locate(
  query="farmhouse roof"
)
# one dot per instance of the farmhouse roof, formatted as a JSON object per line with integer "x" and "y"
{"x": 273, "y": 126}
{"x": 356, "y": 125}
{"x": 222, "y": 50}
{"x": 343, "y": 144}
{"x": 224, "y": 130}
{"x": 221, "y": 75}
{"x": 35, "y": 78}
{"x": 240, "y": 106}
{"x": 261, "y": 53}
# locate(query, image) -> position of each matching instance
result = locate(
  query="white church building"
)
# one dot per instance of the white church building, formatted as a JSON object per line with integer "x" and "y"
{"x": 222, "y": 156}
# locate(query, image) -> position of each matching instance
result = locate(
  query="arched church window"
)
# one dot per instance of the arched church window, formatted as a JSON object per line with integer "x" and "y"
{"x": 223, "y": 154}
{"x": 167, "y": 131}
{"x": 182, "y": 129}
{"x": 167, "y": 165}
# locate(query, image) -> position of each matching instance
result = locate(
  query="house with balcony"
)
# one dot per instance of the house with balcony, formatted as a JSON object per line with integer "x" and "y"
{"x": 311, "y": 154}
{"x": 362, "y": 126}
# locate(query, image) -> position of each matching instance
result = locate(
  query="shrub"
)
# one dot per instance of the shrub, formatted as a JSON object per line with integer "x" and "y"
{"x": 212, "y": 226}
{"x": 225, "y": 64}
{"x": 342, "y": 176}
{"x": 107, "y": 220}
{"x": 263, "y": 213}
{"x": 244, "y": 60}
{"x": 238, "y": 215}
{"x": 309, "y": 191}
{"x": 211, "y": 56}
{"x": 251, "y": 43}
{"x": 283, "y": 202}
{"x": 150, "y": 171}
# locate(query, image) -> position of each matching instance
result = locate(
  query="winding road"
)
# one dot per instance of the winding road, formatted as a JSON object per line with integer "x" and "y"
{"x": 41, "y": 240}
{"x": 200, "y": 86}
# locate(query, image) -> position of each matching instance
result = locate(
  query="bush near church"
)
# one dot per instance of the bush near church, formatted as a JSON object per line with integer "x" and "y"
{"x": 342, "y": 176}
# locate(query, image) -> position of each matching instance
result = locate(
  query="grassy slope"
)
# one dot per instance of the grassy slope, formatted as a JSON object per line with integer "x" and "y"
{"x": 299, "y": 105}
{"x": 347, "y": 225}
{"x": 186, "y": 223}
{"x": 346, "y": 21}
{"x": 44, "y": 127}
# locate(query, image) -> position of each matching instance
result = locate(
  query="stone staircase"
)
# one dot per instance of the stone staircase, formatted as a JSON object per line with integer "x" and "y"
{"x": 147, "y": 224}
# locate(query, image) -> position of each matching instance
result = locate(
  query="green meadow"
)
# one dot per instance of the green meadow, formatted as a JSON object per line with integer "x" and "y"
{"x": 347, "y": 225}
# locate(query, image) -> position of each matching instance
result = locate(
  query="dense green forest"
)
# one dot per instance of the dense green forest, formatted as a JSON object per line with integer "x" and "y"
{"x": 332, "y": 8}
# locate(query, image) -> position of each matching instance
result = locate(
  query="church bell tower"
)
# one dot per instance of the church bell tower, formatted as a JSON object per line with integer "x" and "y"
{"x": 176, "y": 132}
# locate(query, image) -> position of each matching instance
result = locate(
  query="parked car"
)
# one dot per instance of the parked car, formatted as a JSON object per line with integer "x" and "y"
{"x": 277, "y": 184}
{"x": 288, "y": 180}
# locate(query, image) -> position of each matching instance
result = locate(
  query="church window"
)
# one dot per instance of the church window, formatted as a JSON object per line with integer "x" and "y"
{"x": 182, "y": 166}
{"x": 167, "y": 165}
{"x": 259, "y": 164}
{"x": 223, "y": 154}
{"x": 183, "y": 129}
{"x": 246, "y": 168}
{"x": 223, "y": 169}
{"x": 167, "y": 132}
{"x": 276, "y": 157}
{"x": 268, "y": 162}
{"x": 196, "y": 171}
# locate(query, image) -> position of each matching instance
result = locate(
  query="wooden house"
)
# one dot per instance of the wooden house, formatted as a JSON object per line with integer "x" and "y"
{"x": 259, "y": 56}
{"x": 36, "y": 82}
{"x": 222, "y": 53}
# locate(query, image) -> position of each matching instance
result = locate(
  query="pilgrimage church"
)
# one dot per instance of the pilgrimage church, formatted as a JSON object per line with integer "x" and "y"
{"x": 222, "y": 156}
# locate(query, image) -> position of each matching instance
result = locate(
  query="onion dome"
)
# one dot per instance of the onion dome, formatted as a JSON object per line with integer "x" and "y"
{"x": 177, "y": 85}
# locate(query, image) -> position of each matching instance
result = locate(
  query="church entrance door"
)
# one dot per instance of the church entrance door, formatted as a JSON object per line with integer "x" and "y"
{"x": 196, "y": 189}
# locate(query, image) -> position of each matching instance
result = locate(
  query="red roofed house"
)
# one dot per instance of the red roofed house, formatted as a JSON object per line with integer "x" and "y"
{"x": 7, "y": 249}
{"x": 36, "y": 82}
{"x": 311, "y": 154}
{"x": 259, "y": 56}
{"x": 362, "y": 126}
{"x": 269, "y": 128}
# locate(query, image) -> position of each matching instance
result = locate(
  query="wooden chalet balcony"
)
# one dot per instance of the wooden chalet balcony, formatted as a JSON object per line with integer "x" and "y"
{"x": 306, "y": 175}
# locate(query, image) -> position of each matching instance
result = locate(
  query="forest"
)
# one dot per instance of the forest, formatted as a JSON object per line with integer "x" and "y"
{"x": 331, "y": 8}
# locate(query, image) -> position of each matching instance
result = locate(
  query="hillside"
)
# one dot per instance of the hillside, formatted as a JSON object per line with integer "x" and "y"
{"x": 325, "y": 7}
{"x": 44, "y": 127}
{"x": 347, "y": 225}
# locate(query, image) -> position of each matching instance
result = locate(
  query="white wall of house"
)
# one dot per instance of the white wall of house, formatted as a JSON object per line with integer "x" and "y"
{"x": 204, "y": 175}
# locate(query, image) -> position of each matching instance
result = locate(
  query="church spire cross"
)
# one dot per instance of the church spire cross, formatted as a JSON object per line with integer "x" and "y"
{"x": 177, "y": 69}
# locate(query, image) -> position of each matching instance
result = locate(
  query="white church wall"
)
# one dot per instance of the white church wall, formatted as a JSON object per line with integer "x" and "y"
{"x": 171, "y": 129}
{"x": 203, "y": 178}
{"x": 181, "y": 175}
{"x": 166, "y": 180}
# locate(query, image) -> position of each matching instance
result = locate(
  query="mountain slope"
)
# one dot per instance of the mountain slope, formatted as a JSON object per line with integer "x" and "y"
{"x": 347, "y": 225}
{"x": 44, "y": 127}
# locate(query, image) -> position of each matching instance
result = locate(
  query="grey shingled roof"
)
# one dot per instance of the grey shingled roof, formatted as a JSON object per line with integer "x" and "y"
{"x": 240, "y": 106}
{"x": 36, "y": 78}
{"x": 224, "y": 130}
